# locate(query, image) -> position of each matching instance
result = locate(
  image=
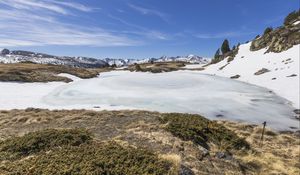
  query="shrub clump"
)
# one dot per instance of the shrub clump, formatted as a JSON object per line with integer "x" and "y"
{"x": 43, "y": 140}
{"x": 202, "y": 131}
{"x": 74, "y": 152}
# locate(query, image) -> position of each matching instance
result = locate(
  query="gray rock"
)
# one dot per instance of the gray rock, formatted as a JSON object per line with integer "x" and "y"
{"x": 224, "y": 155}
{"x": 262, "y": 71}
{"x": 297, "y": 111}
{"x": 185, "y": 170}
{"x": 235, "y": 77}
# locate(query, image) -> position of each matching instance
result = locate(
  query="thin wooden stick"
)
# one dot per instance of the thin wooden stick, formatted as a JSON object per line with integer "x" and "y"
{"x": 262, "y": 134}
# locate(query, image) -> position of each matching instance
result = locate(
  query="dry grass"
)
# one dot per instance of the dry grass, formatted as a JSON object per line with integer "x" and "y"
{"x": 174, "y": 159}
{"x": 29, "y": 72}
{"x": 278, "y": 154}
{"x": 143, "y": 129}
{"x": 157, "y": 67}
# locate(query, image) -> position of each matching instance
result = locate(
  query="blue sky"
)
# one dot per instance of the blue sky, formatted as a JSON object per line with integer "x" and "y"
{"x": 135, "y": 28}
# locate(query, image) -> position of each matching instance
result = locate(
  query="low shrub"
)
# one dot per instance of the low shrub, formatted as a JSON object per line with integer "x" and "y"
{"x": 202, "y": 131}
{"x": 43, "y": 140}
{"x": 74, "y": 152}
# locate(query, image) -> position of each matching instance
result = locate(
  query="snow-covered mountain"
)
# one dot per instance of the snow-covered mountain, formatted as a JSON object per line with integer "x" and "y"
{"x": 7, "y": 56}
{"x": 194, "y": 59}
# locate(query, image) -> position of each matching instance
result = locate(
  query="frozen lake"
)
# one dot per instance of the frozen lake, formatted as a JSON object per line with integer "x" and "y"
{"x": 181, "y": 91}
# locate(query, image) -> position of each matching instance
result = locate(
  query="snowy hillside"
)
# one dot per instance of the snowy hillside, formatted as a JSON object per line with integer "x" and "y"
{"x": 279, "y": 71}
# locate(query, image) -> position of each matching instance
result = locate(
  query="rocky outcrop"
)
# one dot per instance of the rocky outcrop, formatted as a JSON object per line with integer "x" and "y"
{"x": 235, "y": 77}
{"x": 280, "y": 39}
{"x": 229, "y": 55}
{"x": 262, "y": 71}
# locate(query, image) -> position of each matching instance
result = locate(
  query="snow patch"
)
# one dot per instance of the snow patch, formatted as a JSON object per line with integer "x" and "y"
{"x": 296, "y": 23}
{"x": 72, "y": 77}
{"x": 281, "y": 66}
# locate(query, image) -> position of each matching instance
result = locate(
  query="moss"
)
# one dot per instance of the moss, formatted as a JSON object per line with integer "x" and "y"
{"x": 202, "y": 131}
{"x": 43, "y": 140}
{"x": 74, "y": 152}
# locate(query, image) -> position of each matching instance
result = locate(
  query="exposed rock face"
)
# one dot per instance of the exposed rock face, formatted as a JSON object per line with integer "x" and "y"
{"x": 280, "y": 39}
{"x": 235, "y": 77}
{"x": 262, "y": 71}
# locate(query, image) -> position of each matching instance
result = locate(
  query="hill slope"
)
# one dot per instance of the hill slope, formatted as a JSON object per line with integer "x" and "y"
{"x": 276, "y": 71}
{"x": 270, "y": 60}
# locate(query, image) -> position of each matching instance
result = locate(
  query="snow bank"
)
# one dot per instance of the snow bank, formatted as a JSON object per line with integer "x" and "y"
{"x": 72, "y": 77}
{"x": 281, "y": 78}
{"x": 193, "y": 66}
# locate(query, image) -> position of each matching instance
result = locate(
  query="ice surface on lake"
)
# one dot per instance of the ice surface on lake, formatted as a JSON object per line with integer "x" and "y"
{"x": 181, "y": 91}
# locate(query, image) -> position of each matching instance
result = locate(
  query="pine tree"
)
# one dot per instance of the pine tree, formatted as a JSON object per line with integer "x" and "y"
{"x": 217, "y": 54}
{"x": 225, "y": 47}
{"x": 291, "y": 17}
{"x": 268, "y": 30}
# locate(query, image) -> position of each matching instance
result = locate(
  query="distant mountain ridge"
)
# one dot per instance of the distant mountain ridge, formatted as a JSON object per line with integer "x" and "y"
{"x": 18, "y": 56}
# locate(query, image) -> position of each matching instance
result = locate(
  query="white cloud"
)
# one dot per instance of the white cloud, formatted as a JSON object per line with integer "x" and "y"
{"x": 142, "y": 31}
{"x": 147, "y": 11}
{"x": 34, "y": 4}
{"x": 50, "y": 5}
{"x": 29, "y": 23}
{"x": 75, "y": 6}
{"x": 222, "y": 35}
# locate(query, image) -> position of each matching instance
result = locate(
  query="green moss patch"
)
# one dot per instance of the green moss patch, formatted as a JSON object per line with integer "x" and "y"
{"x": 202, "y": 131}
{"x": 74, "y": 152}
{"x": 43, "y": 140}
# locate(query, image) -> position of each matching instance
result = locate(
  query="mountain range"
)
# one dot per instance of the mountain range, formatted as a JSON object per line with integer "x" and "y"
{"x": 19, "y": 56}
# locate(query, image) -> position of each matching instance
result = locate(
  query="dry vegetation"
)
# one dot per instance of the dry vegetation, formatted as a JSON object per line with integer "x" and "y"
{"x": 279, "y": 153}
{"x": 72, "y": 151}
{"x": 170, "y": 141}
{"x": 30, "y": 72}
{"x": 159, "y": 67}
